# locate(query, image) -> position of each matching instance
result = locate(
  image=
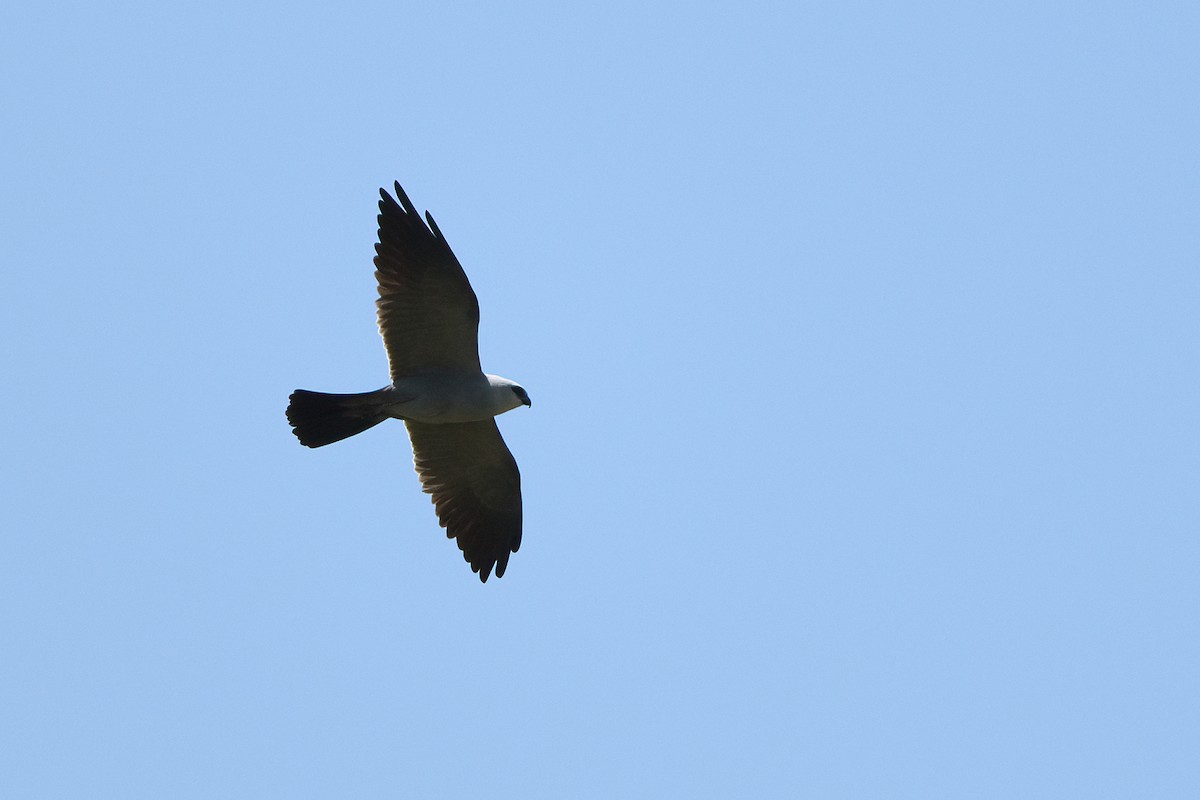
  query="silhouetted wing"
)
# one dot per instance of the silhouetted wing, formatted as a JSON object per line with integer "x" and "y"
{"x": 476, "y": 488}
{"x": 428, "y": 314}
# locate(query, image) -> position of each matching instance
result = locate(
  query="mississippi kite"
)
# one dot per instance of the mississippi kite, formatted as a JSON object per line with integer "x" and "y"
{"x": 429, "y": 320}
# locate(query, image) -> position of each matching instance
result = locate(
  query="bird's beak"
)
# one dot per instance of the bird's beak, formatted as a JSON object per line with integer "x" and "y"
{"x": 529, "y": 403}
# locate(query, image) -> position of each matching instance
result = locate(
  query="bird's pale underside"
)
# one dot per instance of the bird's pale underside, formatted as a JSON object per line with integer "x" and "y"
{"x": 429, "y": 320}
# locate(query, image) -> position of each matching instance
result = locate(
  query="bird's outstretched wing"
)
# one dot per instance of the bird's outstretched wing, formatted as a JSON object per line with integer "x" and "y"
{"x": 476, "y": 488}
{"x": 428, "y": 314}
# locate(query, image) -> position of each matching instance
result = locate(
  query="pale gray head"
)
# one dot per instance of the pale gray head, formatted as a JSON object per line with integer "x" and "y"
{"x": 509, "y": 394}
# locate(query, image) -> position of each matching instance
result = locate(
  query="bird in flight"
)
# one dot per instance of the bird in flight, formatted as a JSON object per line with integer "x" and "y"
{"x": 428, "y": 317}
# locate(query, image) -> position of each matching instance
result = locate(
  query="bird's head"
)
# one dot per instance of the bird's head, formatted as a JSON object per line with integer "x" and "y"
{"x": 508, "y": 393}
{"x": 522, "y": 395}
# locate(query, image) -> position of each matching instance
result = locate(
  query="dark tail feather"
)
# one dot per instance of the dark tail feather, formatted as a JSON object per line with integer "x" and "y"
{"x": 319, "y": 419}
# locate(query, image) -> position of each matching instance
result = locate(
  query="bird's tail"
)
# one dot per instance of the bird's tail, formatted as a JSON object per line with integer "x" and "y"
{"x": 319, "y": 419}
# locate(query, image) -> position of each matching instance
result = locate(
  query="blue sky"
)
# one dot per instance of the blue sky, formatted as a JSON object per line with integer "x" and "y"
{"x": 862, "y": 344}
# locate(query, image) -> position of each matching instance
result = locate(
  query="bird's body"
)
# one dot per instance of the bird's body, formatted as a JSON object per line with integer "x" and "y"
{"x": 451, "y": 397}
{"x": 428, "y": 316}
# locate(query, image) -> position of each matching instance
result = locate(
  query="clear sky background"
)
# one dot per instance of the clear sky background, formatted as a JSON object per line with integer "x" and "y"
{"x": 862, "y": 342}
